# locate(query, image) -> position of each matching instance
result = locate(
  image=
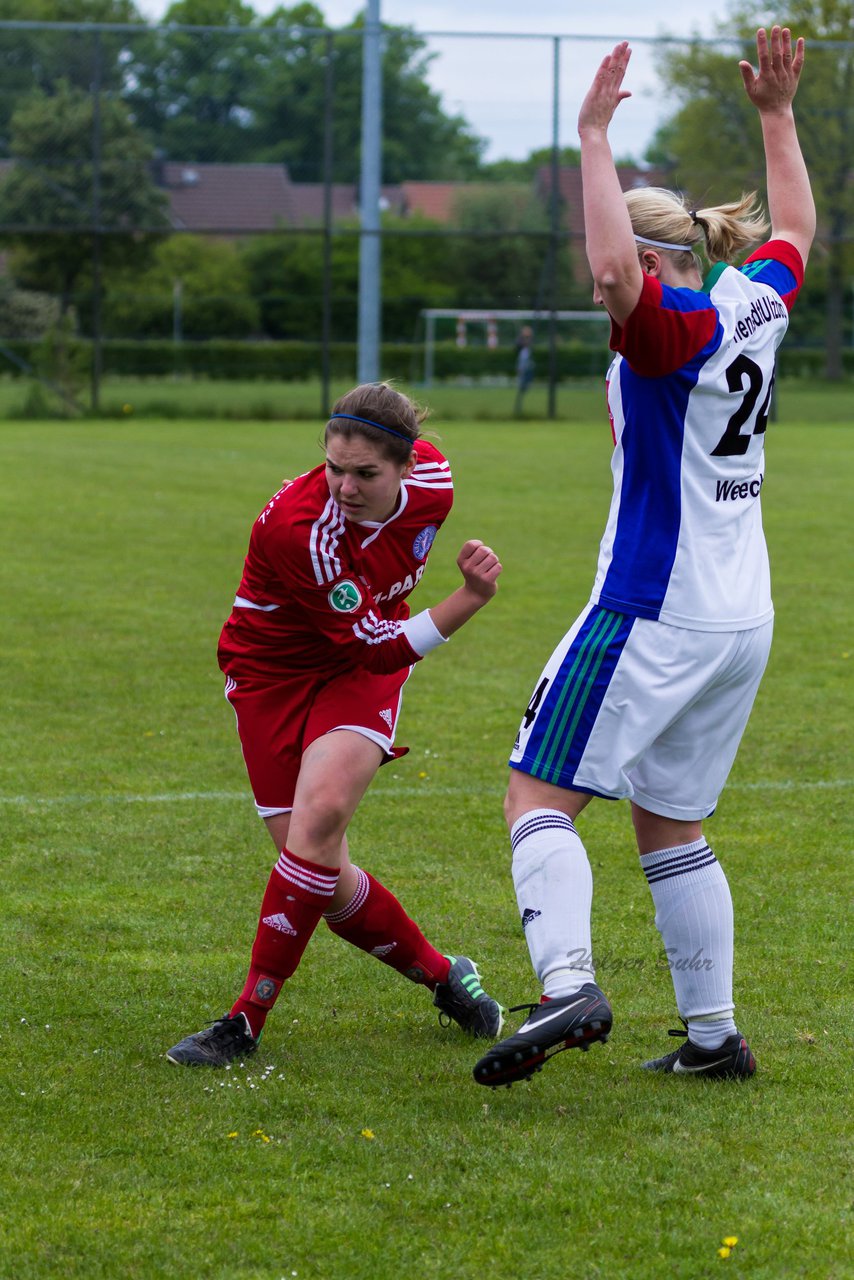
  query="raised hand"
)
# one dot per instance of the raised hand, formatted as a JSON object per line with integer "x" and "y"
{"x": 480, "y": 567}
{"x": 774, "y": 87}
{"x": 606, "y": 92}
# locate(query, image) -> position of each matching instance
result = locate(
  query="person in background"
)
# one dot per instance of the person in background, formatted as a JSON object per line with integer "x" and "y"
{"x": 316, "y": 652}
{"x": 525, "y": 367}
{"x": 649, "y": 693}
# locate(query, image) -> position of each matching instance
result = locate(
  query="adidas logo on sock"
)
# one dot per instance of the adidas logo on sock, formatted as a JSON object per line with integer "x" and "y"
{"x": 385, "y": 950}
{"x": 528, "y": 915}
{"x": 281, "y": 922}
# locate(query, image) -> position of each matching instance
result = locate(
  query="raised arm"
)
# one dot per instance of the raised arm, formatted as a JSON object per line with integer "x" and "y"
{"x": 611, "y": 247}
{"x": 772, "y": 90}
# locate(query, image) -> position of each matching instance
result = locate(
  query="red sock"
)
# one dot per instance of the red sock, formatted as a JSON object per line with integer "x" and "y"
{"x": 293, "y": 903}
{"x": 374, "y": 921}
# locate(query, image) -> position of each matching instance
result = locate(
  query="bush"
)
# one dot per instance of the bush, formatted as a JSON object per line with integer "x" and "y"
{"x": 27, "y": 311}
{"x": 294, "y": 361}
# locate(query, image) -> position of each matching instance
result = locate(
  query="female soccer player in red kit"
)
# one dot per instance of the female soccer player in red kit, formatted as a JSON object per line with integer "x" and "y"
{"x": 316, "y": 653}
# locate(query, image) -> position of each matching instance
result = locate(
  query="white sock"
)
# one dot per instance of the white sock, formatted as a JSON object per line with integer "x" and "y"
{"x": 693, "y": 914}
{"x": 554, "y": 890}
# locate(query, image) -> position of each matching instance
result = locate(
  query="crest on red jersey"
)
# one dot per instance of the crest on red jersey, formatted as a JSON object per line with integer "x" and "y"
{"x": 424, "y": 541}
{"x": 345, "y": 596}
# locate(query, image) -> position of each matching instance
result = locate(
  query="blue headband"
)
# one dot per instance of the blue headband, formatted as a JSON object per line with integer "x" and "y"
{"x": 379, "y": 425}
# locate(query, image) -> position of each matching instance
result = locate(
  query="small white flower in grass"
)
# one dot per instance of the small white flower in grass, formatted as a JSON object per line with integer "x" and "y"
{"x": 24, "y": 1022}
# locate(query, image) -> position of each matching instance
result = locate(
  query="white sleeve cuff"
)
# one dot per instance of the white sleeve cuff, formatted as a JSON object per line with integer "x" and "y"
{"x": 422, "y": 633}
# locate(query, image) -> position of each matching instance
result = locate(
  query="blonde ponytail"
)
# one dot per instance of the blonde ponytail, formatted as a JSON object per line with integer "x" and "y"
{"x": 724, "y": 231}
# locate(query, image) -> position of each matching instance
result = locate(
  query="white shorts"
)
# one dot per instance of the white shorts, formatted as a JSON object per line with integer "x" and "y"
{"x": 629, "y": 708}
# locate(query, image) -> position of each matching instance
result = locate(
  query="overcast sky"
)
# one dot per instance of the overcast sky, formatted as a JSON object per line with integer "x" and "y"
{"x": 503, "y": 87}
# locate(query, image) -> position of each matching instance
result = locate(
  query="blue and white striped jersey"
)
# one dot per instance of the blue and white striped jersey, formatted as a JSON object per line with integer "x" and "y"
{"x": 689, "y": 394}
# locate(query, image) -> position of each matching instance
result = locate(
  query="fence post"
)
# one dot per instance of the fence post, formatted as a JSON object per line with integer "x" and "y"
{"x": 369, "y": 240}
{"x": 554, "y": 237}
{"x": 326, "y": 315}
{"x": 97, "y": 351}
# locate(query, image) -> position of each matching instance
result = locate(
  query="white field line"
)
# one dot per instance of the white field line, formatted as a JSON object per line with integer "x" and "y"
{"x": 379, "y": 793}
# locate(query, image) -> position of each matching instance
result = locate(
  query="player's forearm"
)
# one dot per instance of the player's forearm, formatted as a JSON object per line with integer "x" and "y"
{"x": 456, "y": 610}
{"x": 790, "y": 199}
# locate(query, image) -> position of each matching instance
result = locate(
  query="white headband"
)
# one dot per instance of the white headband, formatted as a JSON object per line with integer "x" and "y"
{"x": 662, "y": 244}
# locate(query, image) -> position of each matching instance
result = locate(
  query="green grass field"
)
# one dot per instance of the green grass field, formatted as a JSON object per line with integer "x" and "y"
{"x": 286, "y": 402}
{"x": 356, "y": 1146}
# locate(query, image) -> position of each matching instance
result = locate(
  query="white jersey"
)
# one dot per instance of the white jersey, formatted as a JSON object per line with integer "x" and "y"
{"x": 689, "y": 395}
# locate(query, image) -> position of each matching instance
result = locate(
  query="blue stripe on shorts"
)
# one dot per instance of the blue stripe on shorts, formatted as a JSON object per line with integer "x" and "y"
{"x": 568, "y": 712}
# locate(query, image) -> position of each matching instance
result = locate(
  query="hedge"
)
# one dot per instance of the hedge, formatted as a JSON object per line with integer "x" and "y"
{"x": 302, "y": 361}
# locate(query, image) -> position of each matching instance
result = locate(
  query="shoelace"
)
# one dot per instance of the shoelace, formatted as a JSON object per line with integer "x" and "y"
{"x": 221, "y": 1027}
{"x": 517, "y": 1008}
{"x": 445, "y": 1019}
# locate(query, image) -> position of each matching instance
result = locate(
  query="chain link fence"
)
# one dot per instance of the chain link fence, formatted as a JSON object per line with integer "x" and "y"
{"x": 186, "y": 199}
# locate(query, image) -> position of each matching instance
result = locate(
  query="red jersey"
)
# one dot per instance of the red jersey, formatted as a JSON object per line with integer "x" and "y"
{"x": 321, "y": 593}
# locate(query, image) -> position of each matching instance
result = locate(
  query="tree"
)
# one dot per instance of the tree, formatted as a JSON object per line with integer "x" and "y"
{"x": 512, "y": 268}
{"x": 286, "y": 278}
{"x": 33, "y": 59}
{"x": 256, "y": 93}
{"x": 56, "y": 196}
{"x": 190, "y": 90}
{"x": 195, "y": 287}
{"x": 713, "y": 143}
{"x": 526, "y": 170}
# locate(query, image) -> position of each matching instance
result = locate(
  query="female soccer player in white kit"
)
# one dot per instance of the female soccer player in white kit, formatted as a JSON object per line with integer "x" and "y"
{"x": 315, "y": 653}
{"x": 648, "y": 695}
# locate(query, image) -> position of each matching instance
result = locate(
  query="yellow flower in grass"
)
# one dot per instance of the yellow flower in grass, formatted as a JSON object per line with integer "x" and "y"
{"x": 368, "y": 1133}
{"x": 232, "y": 1135}
{"x": 724, "y": 1252}
{"x": 730, "y": 1241}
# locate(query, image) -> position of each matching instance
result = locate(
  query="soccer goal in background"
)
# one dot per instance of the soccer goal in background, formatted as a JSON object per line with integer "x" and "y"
{"x": 500, "y": 328}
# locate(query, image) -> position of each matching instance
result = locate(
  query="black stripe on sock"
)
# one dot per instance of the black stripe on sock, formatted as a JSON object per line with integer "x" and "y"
{"x": 544, "y": 822}
{"x": 680, "y": 865}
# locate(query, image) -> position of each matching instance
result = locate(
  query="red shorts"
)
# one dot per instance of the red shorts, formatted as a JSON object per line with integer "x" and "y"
{"x": 277, "y": 720}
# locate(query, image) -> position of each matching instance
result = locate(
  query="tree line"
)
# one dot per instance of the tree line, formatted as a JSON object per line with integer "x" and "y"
{"x": 85, "y": 115}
